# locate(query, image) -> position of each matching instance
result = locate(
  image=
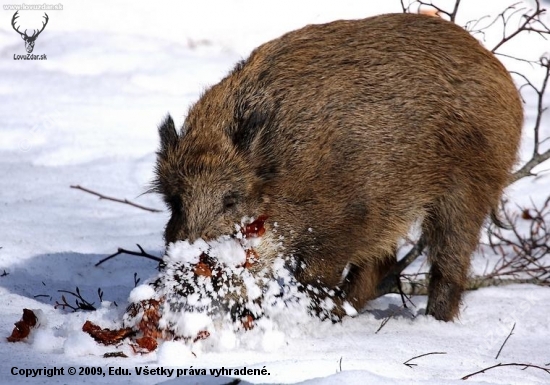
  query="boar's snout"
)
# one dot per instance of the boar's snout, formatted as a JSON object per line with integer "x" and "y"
{"x": 178, "y": 229}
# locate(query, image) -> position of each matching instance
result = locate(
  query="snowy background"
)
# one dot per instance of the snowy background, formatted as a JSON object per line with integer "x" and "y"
{"x": 89, "y": 115}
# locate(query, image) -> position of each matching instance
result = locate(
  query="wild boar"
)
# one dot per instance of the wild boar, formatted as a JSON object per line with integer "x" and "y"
{"x": 344, "y": 134}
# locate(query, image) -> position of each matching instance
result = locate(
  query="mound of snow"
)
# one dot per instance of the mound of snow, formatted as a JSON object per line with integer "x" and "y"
{"x": 212, "y": 295}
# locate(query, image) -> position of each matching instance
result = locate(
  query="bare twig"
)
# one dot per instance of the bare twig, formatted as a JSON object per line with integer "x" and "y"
{"x": 531, "y": 62}
{"x": 506, "y": 340}
{"x": 525, "y": 366}
{"x": 422, "y": 355}
{"x": 394, "y": 312}
{"x": 384, "y": 322}
{"x": 42, "y": 296}
{"x": 125, "y": 201}
{"x": 141, "y": 253}
{"x": 471, "y": 26}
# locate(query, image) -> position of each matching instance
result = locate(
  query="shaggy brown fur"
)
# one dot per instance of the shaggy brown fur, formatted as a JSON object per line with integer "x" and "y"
{"x": 344, "y": 134}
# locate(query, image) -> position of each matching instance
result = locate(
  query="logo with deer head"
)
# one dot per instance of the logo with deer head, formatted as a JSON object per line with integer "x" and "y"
{"x": 29, "y": 40}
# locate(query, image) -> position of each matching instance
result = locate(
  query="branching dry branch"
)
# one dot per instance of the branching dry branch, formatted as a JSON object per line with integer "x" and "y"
{"x": 80, "y": 302}
{"x": 522, "y": 255}
{"x": 531, "y": 23}
{"x": 125, "y": 201}
{"x": 141, "y": 253}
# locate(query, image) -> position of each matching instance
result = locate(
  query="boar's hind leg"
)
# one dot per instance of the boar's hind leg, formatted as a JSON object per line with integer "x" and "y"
{"x": 451, "y": 228}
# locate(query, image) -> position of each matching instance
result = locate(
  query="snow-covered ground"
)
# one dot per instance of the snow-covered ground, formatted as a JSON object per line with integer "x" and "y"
{"x": 88, "y": 115}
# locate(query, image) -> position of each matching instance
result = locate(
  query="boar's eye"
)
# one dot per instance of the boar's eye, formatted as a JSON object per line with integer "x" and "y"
{"x": 230, "y": 201}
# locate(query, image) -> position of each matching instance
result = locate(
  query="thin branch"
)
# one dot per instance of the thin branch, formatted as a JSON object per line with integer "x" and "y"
{"x": 390, "y": 282}
{"x": 531, "y": 62}
{"x": 422, "y": 355}
{"x": 526, "y": 169}
{"x": 125, "y": 201}
{"x": 525, "y": 366}
{"x": 545, "y": 62}
{"x": 141, "y": 253}
{"x": 506, "y": 340}
{"x": 455, "y": 10}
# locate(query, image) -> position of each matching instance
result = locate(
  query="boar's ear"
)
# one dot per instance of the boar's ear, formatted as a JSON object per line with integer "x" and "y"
{"x": 249, "y": 120}
{"x": 247, "y": 128}
{"x": 168, "y": 135}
